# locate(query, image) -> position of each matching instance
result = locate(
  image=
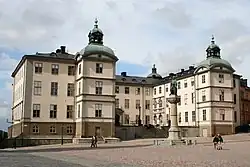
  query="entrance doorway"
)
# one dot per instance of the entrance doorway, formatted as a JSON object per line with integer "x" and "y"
{"x": 97, "y": 131}
{"x": 204, "y": 132}
{"x": 117, "y": 120}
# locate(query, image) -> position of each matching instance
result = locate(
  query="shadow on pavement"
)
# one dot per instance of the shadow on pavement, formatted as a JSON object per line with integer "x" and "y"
{"x": 60, "y": 149}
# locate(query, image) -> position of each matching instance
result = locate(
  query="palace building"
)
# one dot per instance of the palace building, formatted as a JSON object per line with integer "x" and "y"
{"x": 80, "y": 95}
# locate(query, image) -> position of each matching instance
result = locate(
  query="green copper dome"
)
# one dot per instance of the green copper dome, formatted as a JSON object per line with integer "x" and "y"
{"x": 98, "y": 49}
{"x": 215, "y": 62}
{"x": 214, "y": 59}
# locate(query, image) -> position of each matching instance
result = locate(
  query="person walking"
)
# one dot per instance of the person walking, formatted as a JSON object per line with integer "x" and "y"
{"x": 92, "y": 142}
{"x": 95, "y": 141}
{"x": 215, "y": 141}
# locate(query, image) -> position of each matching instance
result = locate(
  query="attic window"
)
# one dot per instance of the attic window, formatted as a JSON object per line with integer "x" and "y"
{"x": 123, "y": 79}
{"x": 143, "y": 80}
{"x": 99, "y": 56}
{"x": 134, "y": 80}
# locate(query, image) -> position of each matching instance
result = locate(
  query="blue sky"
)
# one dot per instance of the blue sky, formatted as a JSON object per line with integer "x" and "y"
{"x": 172, "y": 34}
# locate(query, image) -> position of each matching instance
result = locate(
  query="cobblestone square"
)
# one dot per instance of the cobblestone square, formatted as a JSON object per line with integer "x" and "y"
{"x": 141, "y": 153}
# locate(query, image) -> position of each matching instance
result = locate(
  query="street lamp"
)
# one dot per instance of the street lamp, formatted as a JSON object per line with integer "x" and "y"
{"x": 139, "y": 117}
{"x": 62, "y": 134}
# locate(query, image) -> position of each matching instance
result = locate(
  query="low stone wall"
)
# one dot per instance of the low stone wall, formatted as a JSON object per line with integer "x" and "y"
{"x": 140, "y": 132}
{"x": 8, "y": 143}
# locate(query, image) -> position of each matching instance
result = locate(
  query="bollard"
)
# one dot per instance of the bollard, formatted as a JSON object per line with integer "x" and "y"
{"x": 195, "y": 142}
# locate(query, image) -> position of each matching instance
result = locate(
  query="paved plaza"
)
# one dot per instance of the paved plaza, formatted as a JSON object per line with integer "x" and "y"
{"x": 138, "y": 153}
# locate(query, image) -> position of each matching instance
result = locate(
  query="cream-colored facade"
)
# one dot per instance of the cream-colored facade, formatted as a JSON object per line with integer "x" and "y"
{"x": 80, "y": 95}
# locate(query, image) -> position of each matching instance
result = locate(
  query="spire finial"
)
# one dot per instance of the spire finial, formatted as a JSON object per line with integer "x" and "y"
{"x": 96, "y": 23}
{"x": 212, "y": 41}
{"x": 153, "y": 65}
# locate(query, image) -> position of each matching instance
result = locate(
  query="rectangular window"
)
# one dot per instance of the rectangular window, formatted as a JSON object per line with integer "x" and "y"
{"x": 235, "y": 116}
{"x": 126, "y": 106}
{"x": 185, "y": 98}
{"x": 221, "y": 78}
{"x": 79, "y": 69}
{"x": 222, "y": 115}
{"x": 69, "y": 111}
{"x": 98, "y": 110}
{"x": 147, "y": 91}
{"x": 54, "y": 69}
{"x": 186, "y": 116}
{"x": 160, "y": 102}
{"x": 99, "y": 68}
{"x": 36, "y": 110}
{"x": 116, "y": 89}
{"x": 147, "y": 104}
{"x": 79, "y": 88}
{"x": 52, "y": 129}
{"x": 116, "y": 103}
{"x": 126, "y": 90}
{"x": 126, "y": 119}
{"x": 160, "y": 90}
{"x": 38, "y": 68}
{"x": 137, "y": 91}
{"x": 53, "y": 111}
{"x": 147, "y": 120}
{"x": 192, "y": 83}
{"x": 154, "y": 91}
{"x": 203, "y": 78}
{"x": 69, "y": 129}
{"x": 154, "y": 103}
{"x": 185, "y": 84}
{"x": 204, "y": 115}
{"x": 38, "y": 88}
{"x": 179, "y": 85}
{"x": 234, "y": 83}
{"x": 71, "y": 89}
{"x": 192, "y": 98}
{"x": 98, "y": 87}
{"x": 137, "y": 104}
{"x": 78, "y": 111}
{"x": 180, "y": 101}
{"x": 179, "y": 117}
{"x": 166, "y": 88}
{"x": 193, "y": 116}
{"x": 71, "y": 70}
{"x": 203, "y": 95}
{"x": 234, "y": 98}
{"x": 54, "y": 89}
{"x": 221, "y": 95}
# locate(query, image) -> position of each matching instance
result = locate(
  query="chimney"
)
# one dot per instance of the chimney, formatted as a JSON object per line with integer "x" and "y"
{"x": 171, "y": 74}
{"x": 191, "y": 67}
{"x": 182, "y": 70}
{"x": 58, "y": 50}
{"x": 124, "y": 74}
{"x": 63, "y": 49}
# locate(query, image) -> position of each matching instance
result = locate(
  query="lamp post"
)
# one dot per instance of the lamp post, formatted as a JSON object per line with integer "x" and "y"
{"x": 62, "y": 134}
{"x": 139, "y": 116}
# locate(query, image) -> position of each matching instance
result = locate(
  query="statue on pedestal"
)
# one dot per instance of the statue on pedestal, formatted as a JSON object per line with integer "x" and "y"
{"x": 173, "y": 87}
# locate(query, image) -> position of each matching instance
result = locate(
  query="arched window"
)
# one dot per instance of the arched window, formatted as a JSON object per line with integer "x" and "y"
{"x": 160, "y": 119}
{"x": 35, "y": 129}
{"x": 179, "y": 117}
{"x": 155, "y": 119}
{"x": 52, "y": 129}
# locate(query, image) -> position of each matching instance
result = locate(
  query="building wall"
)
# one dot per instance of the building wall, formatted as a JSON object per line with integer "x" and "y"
{"x": 132, "y": 111}
{"x": 245, "y": 105}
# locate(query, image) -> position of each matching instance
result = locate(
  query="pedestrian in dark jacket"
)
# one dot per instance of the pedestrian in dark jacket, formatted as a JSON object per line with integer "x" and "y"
{"x": 92, "y": 141}
{"x": 95, "y": 141}
{"x": 215, "y": 141}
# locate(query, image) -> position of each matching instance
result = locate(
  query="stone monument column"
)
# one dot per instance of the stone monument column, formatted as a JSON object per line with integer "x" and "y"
{"x": 174, "y": 131}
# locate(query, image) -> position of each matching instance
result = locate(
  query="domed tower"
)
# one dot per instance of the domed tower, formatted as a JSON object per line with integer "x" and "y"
{"x": 213, "y": 79}
{"x": 95, "y": 85}
{"x": 154, "y": 73}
